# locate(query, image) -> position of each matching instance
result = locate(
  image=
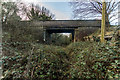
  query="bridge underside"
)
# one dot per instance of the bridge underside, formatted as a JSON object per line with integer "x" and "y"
{"x": 48, "y": 32}
{"x": 59, "y": 30}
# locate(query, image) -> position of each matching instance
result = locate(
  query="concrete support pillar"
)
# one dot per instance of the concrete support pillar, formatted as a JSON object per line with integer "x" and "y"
{"x": 47, "y": 37}
{"x": 44, "y": 35}
{"x": 75, "y": 35}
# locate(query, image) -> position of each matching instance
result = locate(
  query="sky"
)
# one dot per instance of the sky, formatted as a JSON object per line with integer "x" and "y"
{"x": 61, "y": 8}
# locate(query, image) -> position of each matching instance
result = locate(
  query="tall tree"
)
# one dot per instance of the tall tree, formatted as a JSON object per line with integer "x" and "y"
{"x": 93, "y": 9}
{"x": 36, "y": 12}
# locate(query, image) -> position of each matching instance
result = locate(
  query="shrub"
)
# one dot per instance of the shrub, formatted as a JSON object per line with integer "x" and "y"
{"x": 80, "y": 60}
{"x": 42, "y": 62}
{"x": 94, "y": 61}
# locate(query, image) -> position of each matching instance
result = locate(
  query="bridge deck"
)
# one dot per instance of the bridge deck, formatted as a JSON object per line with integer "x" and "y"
{"x": 69, "y": 23}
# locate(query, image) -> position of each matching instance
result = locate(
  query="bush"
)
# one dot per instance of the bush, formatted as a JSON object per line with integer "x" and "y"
{"x": 60, "y": 39}
{"x": 49, "y": 64}
{"x": 42, "y": 62}
{"x": 94, "y": 61}
{"x": 80, "y": 60}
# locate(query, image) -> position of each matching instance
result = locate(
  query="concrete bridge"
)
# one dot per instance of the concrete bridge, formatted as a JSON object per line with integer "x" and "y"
{"x": 60, "y": 26}
{"x": 65, "y": 26}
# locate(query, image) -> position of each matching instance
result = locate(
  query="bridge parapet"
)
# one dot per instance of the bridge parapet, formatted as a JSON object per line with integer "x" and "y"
{"x": 68, "y": 23}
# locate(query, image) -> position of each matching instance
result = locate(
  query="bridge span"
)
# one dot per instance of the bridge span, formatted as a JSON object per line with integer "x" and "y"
{"x": 59, "y": 26}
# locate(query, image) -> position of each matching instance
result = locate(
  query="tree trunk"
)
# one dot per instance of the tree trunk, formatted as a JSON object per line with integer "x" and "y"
{"x": 103, "y": 21}
{"x": 107, "y": 22}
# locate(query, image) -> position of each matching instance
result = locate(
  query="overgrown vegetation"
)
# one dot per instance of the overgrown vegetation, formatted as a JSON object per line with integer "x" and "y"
{"x": 60, "y": 39}
{"x": 80, "y": 60}
{"x": 26, "y": 59}
{"x": 94, "y": 60}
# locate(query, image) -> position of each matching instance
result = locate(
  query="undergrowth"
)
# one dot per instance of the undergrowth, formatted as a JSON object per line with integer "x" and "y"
{"x": 77, "y": 61}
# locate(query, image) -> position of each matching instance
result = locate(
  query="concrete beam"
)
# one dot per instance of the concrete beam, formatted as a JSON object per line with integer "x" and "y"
{"x": 59, "y": 23}
{"x": 68, "y": 23}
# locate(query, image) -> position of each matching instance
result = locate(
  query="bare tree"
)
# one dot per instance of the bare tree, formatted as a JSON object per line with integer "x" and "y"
{"x": 92, "y": 9}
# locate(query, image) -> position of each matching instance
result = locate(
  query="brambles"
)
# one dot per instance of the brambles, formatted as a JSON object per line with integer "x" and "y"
{"x": 77, "y": 61}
